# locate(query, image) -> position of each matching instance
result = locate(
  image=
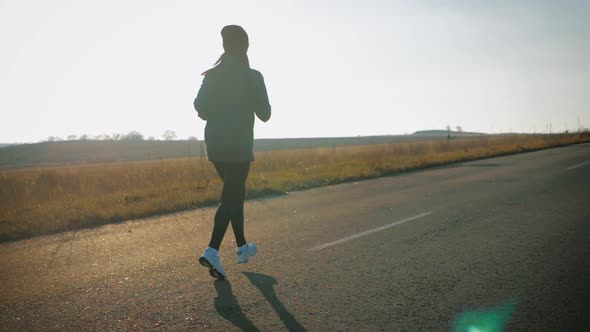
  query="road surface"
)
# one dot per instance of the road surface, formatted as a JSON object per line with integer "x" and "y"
{"x": 497, "y": 241}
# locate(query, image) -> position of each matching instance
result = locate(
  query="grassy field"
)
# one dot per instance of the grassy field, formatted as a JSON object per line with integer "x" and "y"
{"x": 92, "y": 152}
{"x": 49, "y": 199}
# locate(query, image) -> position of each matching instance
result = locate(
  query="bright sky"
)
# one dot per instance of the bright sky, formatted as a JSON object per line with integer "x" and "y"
{"x": 332, "y": 68}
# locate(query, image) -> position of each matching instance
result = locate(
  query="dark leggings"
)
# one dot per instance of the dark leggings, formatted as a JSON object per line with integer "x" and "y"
{"x": 231, "y": 208}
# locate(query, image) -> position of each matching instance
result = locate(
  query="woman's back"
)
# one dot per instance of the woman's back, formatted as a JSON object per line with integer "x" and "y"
{"x": 228, "y": 99}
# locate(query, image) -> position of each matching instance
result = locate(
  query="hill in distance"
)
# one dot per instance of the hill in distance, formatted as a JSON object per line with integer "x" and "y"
{"x": 439, "y": 133}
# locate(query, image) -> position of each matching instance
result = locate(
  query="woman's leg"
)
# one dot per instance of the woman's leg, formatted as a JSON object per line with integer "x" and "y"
{"x": 222, "y": 216}
{"x": 234, "y": 177}
{"x": 240, "y": 174}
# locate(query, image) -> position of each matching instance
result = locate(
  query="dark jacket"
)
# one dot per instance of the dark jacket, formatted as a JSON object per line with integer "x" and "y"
{"x": 230, "y": 95}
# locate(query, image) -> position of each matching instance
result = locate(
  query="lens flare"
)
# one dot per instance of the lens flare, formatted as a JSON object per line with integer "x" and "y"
{"x": 492, "y": 320}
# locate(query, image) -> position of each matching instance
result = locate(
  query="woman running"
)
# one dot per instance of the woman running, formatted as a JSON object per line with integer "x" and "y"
{"x": 230, "y": 95}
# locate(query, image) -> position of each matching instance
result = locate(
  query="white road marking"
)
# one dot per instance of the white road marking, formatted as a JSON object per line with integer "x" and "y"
{"x": 370, "y": 231}
{"x": 578, "y": 165}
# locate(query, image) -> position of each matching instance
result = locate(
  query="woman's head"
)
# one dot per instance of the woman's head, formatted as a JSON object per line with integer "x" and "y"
{"x": 235, "y": 42}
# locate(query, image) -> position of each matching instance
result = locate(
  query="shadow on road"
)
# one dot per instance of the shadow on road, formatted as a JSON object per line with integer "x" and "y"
{"x": 265, "y": 283}
{"x": 227, "y": 306}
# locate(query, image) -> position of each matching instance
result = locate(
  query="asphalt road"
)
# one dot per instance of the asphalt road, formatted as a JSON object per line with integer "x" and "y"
{"x": 502, "y": 240}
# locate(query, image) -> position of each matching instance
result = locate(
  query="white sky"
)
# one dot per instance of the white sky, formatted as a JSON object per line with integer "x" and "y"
{"x": 332, "y": 68}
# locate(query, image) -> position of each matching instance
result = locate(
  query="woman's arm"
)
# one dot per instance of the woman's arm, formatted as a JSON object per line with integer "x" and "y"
{"x": 263, "y": 105}
{"x": 203, "y": 101}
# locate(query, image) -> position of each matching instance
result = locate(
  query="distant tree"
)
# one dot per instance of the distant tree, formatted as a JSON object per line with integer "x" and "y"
{"x": 72, "y": 137}
{"x": 117, "y": 137}
{"x": 459, "y": 129}
{"x": 169, "y": 135}
{"x": 448, "y": 127}
{"x": 151, "y": 138}
{"x": 193, "y": 138}
{"x": 84, "y": 137}
{"x": 133, "y": 136}
{"x": 106, "y": 137}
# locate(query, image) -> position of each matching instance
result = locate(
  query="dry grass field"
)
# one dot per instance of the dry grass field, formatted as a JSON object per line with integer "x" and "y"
{"x": 95, "y": 152}
{"x": 50, "y": 199}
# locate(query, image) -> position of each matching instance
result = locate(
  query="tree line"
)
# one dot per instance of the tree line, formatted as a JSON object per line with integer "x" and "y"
{"x": 132, "y": 136}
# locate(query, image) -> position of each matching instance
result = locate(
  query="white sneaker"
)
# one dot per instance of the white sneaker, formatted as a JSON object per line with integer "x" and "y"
{"x": 245, "y": 252}
{"x": 210, "y": 259}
